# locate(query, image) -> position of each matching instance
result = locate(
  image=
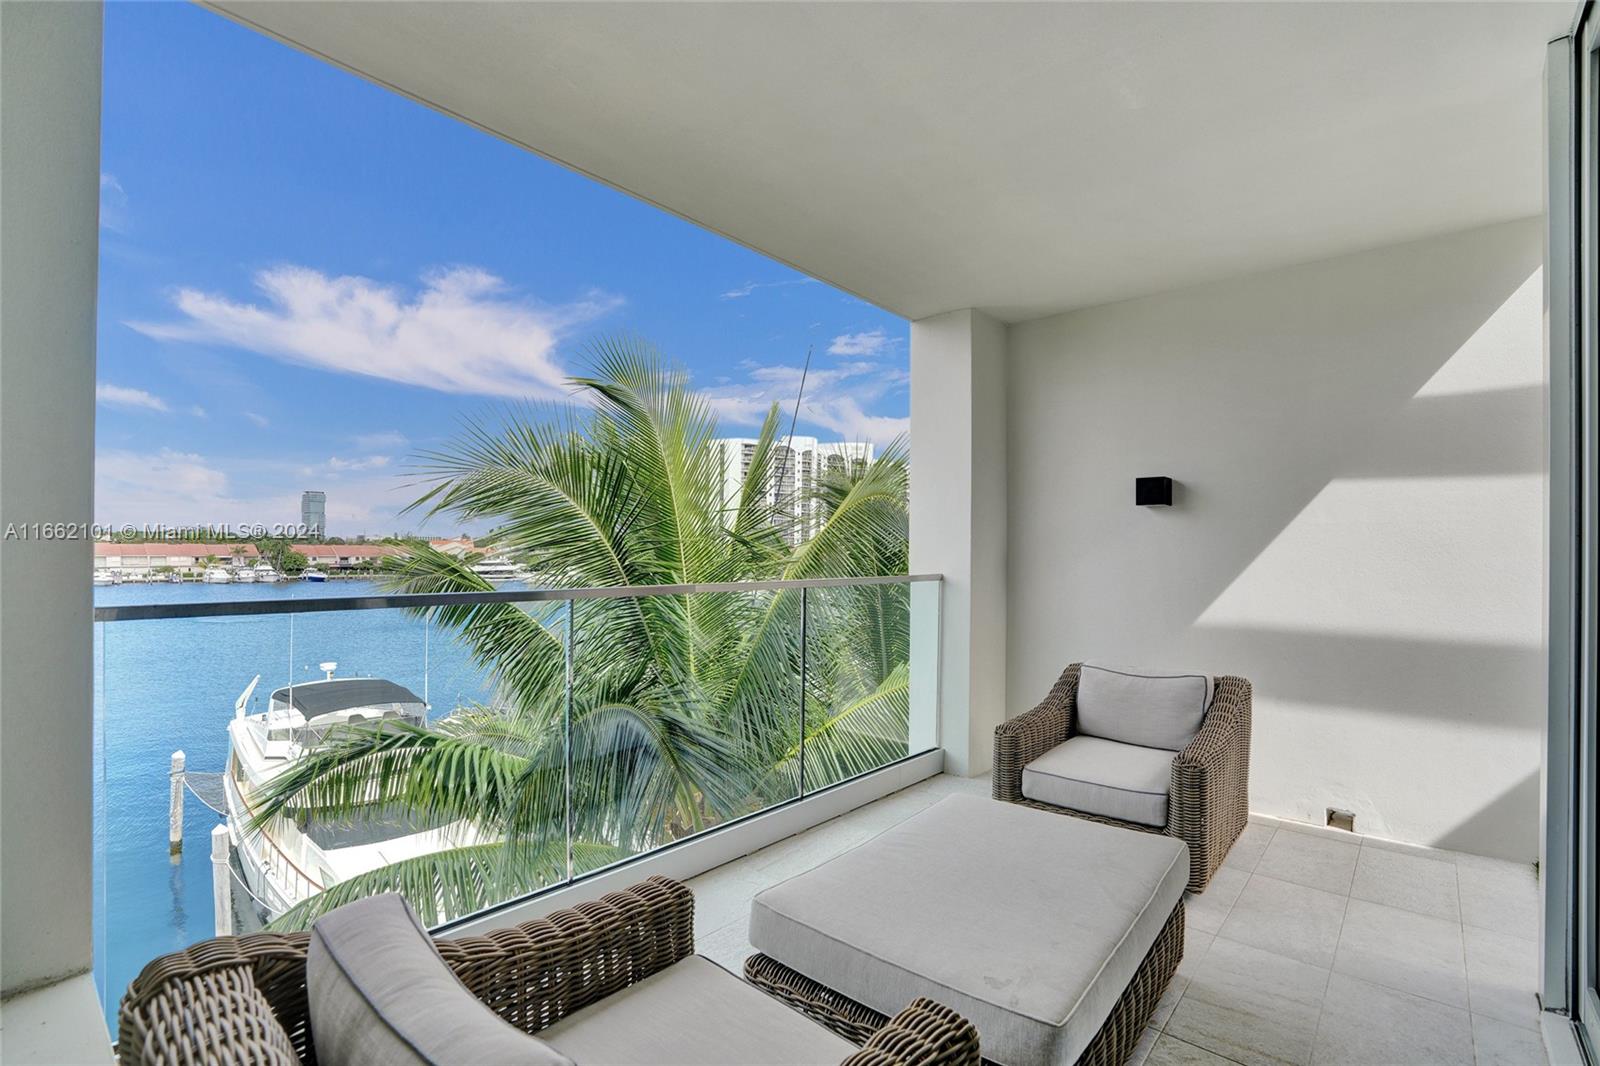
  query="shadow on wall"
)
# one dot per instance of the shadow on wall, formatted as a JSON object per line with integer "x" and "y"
{"x": 1361, "y": 444}
{"x": 1503, "y": 817}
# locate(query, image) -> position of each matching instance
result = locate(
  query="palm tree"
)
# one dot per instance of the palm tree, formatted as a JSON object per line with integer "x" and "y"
{"x": 684, "y": 710}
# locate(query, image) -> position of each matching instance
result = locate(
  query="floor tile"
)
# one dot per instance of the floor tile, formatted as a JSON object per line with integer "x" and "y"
{"x": 1309, "y": 860}
{"x": 1407, "y": 881}
{"x": 728, "y": 947}
{"x": 1499, "y": 895}
{"x": 1291, "y": 920}
{"x": 1404, "y": 951}
{"x": 1318, "y": 830}
{"x": 1246, "y": 851}
{"x": 1502, "y": 976}
{"x": 1421, "y": 851}
{"x": 1170, "y": 1051}
{"x": 1251, "y": 1006}
{"x": 1207, "y": 910}
{"x": 797, "y": 854}
{"x": 1254, "y": 986}
{"x": 1499, "y": 1044}
{"x": 982, "y": 785}
{"x": 723, "y": 895}
{"x": 1141, "y": 1050}
{"x": 1195, "y": 945}
{"x": 1366, "y": 1025}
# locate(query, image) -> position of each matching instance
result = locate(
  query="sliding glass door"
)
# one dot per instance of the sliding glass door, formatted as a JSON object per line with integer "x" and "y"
{"x": 1570, "y": 972}
{"x": 1583, "y": 903}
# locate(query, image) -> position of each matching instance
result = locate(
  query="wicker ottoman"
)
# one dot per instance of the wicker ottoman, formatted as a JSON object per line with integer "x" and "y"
{"x": 1054, "y": 936}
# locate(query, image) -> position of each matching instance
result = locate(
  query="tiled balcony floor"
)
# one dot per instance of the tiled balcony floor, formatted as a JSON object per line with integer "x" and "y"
{"x": 1306, "y": 948}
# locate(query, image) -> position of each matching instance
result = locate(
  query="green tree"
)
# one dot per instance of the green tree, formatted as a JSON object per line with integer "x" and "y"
{"x": 685, "y": 708}
{"x": 281, "y": 555}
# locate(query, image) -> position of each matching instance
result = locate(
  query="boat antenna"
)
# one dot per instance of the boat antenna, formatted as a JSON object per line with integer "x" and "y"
{"x": 788, "y": 447}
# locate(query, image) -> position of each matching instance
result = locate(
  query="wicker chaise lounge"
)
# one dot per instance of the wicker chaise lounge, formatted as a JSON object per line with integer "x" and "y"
{"x": 244, "y": 999}
{"x": 1206, "y": 799}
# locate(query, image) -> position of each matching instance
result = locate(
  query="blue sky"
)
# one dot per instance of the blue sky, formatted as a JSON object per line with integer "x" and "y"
{"x": 306, "y": 279}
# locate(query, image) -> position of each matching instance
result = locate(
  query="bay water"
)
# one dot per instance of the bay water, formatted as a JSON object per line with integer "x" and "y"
{"x": 168, "y": 685}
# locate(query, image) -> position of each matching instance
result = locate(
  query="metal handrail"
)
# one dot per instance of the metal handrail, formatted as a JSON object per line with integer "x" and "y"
{"x": 152, "y": 611}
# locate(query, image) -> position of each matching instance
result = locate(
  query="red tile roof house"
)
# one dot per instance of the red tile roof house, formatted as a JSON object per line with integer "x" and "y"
{"x": 345, "y": 556}
{"x": 457, "y": 546}
{"x": 145, "y": 557}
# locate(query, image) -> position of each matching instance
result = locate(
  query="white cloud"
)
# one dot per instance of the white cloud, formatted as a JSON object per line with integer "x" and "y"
{"x": 461, "y": 332}
{"x": 370, "y": 442}
{"x": 113, "y": 204}
{"x": 371, "y": 462}
{"x": 749, "y": 287}
{"x": 120, "y": 396}
{"x": 871, "y": 342}
{"x": 259, "y": 420}
{"x": 845, "y": 417}
{"x": 165, "y": 487}
{"x": 836, "y": 398}
{"x": 169, "y": 487}
{"x": 198, "y": 411}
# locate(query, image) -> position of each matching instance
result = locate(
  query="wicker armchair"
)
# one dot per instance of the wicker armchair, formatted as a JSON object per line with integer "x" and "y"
{"x": 1208, "y": 800}
{"x": 242, "y": 999}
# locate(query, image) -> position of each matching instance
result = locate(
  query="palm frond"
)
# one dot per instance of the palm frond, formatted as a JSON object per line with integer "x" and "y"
{"x": 847, "y": 740}
{"x": 680, "y": 711}
{"x": 435, "y": 777}
{"x": 449, "y": 884}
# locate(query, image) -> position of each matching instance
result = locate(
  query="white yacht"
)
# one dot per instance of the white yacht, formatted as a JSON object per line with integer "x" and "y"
{"x": 264, "y": 572}
{"x": 216, "y": 575}
{"x": 244, "y": 575}
{"x": 102, "y": 578}
{"x": 499, "y": 568}
{"x": 289, "y": 860}
{"x": 311, "y": 573}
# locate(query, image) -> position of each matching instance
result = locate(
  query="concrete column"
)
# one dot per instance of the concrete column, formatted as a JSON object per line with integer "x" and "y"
{"x": 958, "y": 519}
{"x": 49, "y": 233}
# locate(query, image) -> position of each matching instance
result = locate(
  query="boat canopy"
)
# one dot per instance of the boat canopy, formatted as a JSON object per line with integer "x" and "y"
{"x": 317, "y": 698}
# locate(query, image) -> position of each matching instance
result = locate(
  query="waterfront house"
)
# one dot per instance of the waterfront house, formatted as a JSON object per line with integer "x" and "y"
{"x": 329, "y": 557}
{"x": 456, "y": 546}
{"x": 189, "y": 559}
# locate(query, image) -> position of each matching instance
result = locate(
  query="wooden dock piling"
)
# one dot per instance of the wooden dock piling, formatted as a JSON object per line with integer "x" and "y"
{"x": 175, "y": 805}
{"x": 221, "y": 882}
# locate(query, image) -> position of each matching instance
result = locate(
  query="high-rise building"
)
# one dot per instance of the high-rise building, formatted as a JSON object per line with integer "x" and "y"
{"x": 314, "y": 512}
{"x": 795, "y": 466}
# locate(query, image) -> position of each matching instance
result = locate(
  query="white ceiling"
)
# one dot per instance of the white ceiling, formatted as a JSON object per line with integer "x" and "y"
{"x": 1019, "y": 158}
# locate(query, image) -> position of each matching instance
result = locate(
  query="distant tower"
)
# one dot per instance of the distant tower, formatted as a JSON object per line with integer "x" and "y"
{"x": 314, "y": 512}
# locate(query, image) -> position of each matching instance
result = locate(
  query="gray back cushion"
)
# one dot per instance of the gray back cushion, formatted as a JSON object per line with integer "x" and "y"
{"x": 1153, "y": 709}
{"x": 381, "y": 995}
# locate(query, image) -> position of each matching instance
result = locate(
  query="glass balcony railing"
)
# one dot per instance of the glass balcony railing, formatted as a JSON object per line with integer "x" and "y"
{"x": 276, "y": 750}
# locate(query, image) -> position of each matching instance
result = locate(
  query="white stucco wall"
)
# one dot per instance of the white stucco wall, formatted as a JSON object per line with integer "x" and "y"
{"x": 49, "y": 197}
{"x": 958, "y": 519}
{"x": 1359, "y": 449}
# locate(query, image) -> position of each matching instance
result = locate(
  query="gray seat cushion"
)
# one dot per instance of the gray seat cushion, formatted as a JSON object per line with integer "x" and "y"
{"x": 694, "y": 1011}
{"x": 1152, "y": 710}
{"x": 380, "y": 995}
{"x": 1103, "y": 777}
{"x": 1027, "y": 923}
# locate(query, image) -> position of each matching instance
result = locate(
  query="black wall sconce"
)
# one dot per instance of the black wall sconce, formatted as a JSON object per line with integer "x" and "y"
{"x": 1152, "y": 491}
